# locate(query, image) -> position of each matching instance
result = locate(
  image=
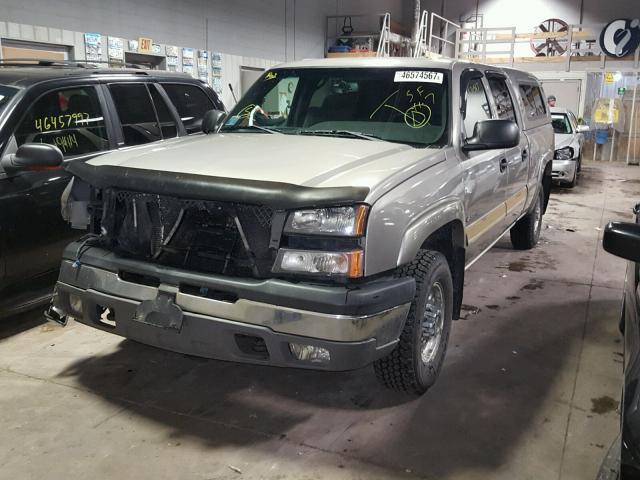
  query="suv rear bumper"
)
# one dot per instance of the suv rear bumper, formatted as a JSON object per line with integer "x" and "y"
{"x": 242, "y": 320}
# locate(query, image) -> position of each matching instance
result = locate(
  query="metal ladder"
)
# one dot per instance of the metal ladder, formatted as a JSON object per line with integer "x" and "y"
{"x": 421, "y": 48}
{"x": 383, "y": 44}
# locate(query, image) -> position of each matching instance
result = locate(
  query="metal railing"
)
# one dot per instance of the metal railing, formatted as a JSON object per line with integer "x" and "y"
{"x": 498, "y": 45}
{"x": 476, "y": 43}
{"x": 444, "y": 40}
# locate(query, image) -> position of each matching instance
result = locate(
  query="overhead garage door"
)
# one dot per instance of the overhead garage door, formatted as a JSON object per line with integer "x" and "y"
{"x": 567, "y": 93}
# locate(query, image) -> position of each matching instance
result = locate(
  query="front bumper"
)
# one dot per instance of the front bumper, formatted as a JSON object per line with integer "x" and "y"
{"x": 241, "y": 320}
{"x": 563, "y": 170}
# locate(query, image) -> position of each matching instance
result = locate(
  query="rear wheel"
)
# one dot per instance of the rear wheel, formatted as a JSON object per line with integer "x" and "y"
{"x": 526, "y": 232}
{"x": 414, "y": 365}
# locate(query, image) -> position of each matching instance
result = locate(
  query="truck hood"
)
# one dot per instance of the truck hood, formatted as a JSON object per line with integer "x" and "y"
{"x": 298, "y": 160}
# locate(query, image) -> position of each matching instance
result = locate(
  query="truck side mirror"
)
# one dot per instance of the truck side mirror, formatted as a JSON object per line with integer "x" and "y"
{"x": 33, "y": 156}
{"x": 493, "y": 134}
{"x": 583, "y": 128}
{"x": 212, "y": 120}
{"x": 622, "y": 239}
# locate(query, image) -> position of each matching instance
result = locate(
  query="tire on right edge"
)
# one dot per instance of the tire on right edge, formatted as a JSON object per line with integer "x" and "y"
{"x": 526, "y": 232}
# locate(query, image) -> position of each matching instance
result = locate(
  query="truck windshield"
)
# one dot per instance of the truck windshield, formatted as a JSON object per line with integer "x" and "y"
{"x": 391, "y": 104}
{"x": 561, "y": 123}
{"x": 6, "y": 93}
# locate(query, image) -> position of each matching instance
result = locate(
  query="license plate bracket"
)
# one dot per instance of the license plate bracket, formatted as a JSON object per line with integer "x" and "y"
{"x": 161, "y": 312}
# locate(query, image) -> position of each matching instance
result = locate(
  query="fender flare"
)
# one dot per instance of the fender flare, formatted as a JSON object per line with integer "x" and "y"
{"x": 444, "y": 212}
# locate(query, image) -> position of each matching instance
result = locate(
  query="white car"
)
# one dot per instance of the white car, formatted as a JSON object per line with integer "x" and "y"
{"x": 567, "y": 159}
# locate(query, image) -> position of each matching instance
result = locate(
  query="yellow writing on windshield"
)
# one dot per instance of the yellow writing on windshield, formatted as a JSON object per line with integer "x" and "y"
{"x": 416, "y": 113}
{"x": 246, "y": 111}
{"x": 58, "y": 122}
{"x": 271, "y": 75}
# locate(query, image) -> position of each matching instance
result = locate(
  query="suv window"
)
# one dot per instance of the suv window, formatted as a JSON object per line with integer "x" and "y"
{"x": 167, "y": 121}
{"x": 477, "y": 103}
{"x": 533, "y": 101}
{"x": 191, "y": 102}
{"x": 70, "y": 118}
{"x": 136, "y": 112}
{"x": 502, "y": 98}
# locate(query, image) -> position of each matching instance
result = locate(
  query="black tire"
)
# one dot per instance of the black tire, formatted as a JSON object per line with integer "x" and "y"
{"x": 574, "y": 180}
{"x": 580, "y": 162}
{"x": 404, "y": 369}
{"x": 526, "y": 232}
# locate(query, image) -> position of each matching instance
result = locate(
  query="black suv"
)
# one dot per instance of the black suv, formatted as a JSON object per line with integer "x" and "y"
{"x": 84, "y": 111}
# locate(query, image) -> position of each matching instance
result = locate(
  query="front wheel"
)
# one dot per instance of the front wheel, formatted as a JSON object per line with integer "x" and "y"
{"x": 526, "y": 232}
{"x": 414, "y": 365}
{"x": 574, "y": 180}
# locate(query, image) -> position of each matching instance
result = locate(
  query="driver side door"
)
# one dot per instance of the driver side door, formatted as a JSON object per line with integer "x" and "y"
{"x": 485, "y": 174}
{"x": 32, "y": 231}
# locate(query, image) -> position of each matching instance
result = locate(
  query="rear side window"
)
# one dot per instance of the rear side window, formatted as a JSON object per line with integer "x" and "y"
{"x": 136, "y": 112}
{"x": 477, "y": 106}
{"x": 69, "y": 118}
{"x": 191, "y": 102}
{"x": 533, "y": 101}
{"x": 502, "y": 98}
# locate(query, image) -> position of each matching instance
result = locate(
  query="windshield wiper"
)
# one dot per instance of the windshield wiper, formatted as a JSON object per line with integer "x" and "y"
{"x": 340, "y": 133}
{"x": 246, "y": 127}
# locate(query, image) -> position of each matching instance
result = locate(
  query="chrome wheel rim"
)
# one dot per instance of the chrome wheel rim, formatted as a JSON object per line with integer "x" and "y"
{"x": 432, "y": 324}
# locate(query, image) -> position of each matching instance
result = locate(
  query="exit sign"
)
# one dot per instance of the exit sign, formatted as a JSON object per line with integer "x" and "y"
{"x": 144, "y": 45}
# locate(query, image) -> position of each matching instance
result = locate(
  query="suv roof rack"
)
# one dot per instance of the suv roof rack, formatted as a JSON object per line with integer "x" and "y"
{"x": 37, "y": 62}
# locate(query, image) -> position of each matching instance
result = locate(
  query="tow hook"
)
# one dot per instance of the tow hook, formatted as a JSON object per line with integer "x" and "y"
{"x": 55, "y": 314}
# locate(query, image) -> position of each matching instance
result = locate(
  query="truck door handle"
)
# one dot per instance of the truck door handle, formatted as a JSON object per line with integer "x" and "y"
{"x": 525, "y": 154}
{"x": 503, "y": 165}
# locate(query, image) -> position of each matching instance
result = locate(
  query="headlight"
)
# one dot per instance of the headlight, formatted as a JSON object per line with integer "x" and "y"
{"x": 340, "y": 221}
{"x": 565, "y": 153}
{"x": 345, "y": 264}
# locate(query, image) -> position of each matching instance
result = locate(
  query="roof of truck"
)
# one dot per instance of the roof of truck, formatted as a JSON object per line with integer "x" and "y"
{"x": 400, "y": 62}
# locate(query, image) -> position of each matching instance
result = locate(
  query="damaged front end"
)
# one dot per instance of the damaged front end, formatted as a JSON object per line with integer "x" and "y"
{"x": 196, "y": 223}
{"x": 239, "y": 270}
{"x": 196, "y": 235}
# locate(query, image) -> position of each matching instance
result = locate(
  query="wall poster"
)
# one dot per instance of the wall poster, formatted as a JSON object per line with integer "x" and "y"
{"x": 216, "y": 72}
{"x": 115, "y": 50}
{"x": 187, "y": 60}
{"x": 93, "y": 47}
{"x": 203, "y": 57}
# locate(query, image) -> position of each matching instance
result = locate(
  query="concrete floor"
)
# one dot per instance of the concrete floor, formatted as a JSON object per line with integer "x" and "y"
{"x": 529, "y": 389}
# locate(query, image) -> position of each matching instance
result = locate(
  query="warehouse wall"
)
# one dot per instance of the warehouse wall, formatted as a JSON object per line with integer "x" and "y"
{"x": 272, "y": 29}
{"x": 525, "y": 15}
